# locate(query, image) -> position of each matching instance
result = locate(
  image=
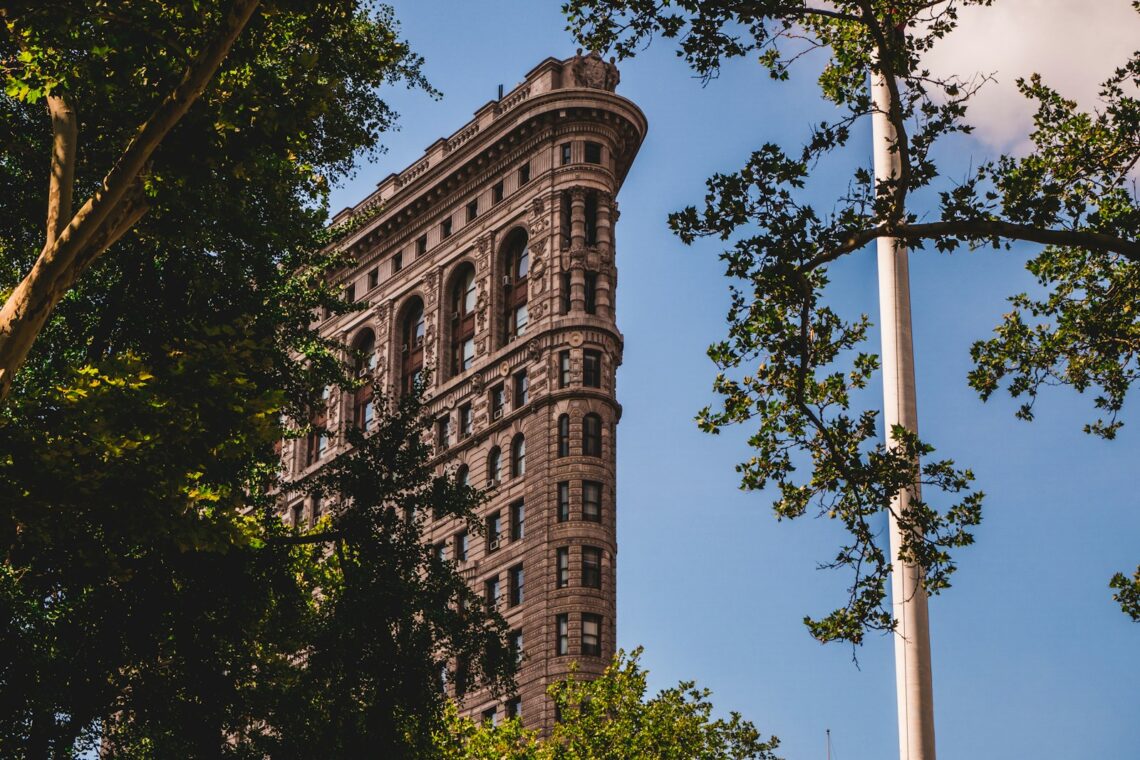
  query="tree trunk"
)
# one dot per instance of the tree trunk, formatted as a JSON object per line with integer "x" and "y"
{"x": 109, "y": 213}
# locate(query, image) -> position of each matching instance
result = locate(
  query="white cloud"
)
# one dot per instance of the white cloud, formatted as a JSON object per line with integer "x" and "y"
{"x": 1074, "y": 44}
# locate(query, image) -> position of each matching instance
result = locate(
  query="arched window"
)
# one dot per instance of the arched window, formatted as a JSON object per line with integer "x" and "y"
{"x": 364, "y": 362}
{"x": 494, "y": 460}
{"x": 518, "y": 456}
{"x": 411, "y": 345}
{"x": 517, "y": 265}
{"x": 564, "y": 435}
{"x": 461, "y": 475}
{"x": 463, "y": 320}
{"x": 592, "y": 435}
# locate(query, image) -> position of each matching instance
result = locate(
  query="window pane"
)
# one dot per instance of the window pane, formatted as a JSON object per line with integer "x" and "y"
{"x": 563, "y": 502}
{"x": 591, "y": 501}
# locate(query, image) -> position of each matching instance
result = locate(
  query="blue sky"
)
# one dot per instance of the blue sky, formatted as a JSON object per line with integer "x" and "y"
{"x": 1031, "y": 656}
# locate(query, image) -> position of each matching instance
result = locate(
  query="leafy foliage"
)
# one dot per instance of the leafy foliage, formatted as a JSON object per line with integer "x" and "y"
{"x": 610, "y": 717}
{"x": 151, "y": 599}
{"x": 792, "y": 367}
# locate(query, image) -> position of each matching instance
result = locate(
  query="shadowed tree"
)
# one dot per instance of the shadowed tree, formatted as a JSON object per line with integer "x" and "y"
{"x": 150, "y": 595}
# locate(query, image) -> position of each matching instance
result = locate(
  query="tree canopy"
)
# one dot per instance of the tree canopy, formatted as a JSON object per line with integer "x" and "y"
{"x": 794, "y": 369}
{"x": 611, "y": 718}
{"x": 151, "y": 598}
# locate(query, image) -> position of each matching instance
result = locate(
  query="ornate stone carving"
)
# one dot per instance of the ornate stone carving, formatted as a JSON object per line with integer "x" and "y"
{"x": 481, "y": 306}
{"x": 431, "y": 286}
{"x": 483, "y": 250}
{"x": 592, "y": 71}
{"x": 534, "y": 350}
{"x": 477, "y": 382}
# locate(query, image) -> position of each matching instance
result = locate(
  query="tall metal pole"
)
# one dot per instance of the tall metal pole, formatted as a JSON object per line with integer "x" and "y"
{"x": 912, "y": 637}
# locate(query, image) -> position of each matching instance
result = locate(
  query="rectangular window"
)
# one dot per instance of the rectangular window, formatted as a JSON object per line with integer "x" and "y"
{"x": 591, "y": 567}
{"x": 516, "y": 644}
{"x": 462, "y": 676}
{"x": 350, "y": 292}
{"x": 564, "y": 296}
{"x": 421, "y": 245}
{"x": 563, "y": 501}
{"x": 593, "y": 153}
{"x": 514, "y": 708}
{"x": 491, "y": 591}
{"x": 562, "y": 634}
{"x": 518, "y": 520}
{"x": 591, "y": 501}
{"x": 443, "y": 432}
{"x": 592, "y": 369}
{"x": 564, "y": 226}
{"x": 591, "y": 293}
{"x": 472, "y": 210}
{"x": 373, "y": 278}
{"x": 441, "y": 551}
{"x": 497, "y": 192}
{"x": 466, "y": 421}
{"x": 522, "y": 389}
{"x": 524, "y": 174}
{"x": 489, "y": 715}
{"x": 494, "y": 527}
{"x": 497, "y": 402}
{"x": 460, "y": 543}
{"x": 397, "y": 262}
{"x": 298, "y": 513}
{"x": 314, "y": 509}
{"x": 564, "y": 369}
{"x": 517, "y": 579}
{"x": 445, "y": 229}
{"x": 591, "y": 634}
{"x": 562, "y": 578}
{"x": 565, "y": 149}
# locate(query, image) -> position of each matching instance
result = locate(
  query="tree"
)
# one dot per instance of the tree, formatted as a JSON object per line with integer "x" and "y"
{"x": 793, "y": 367}
{"x": 610, "y": 717}
{"x": 150, "y": 596}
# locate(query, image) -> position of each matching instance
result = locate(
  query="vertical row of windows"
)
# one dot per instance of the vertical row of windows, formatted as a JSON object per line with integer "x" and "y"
{"x": 592, "y": 153}
{"x": 590, "y": 293}
{"x": 412, "y": 346}
{"x": 591, "y": 368}
{"x": 516, "y": 589}
{"x": 591, "y": 501}
{"x": 591, "y": 435}
{"x": 515, "y": 286}
{"x": 591, "y": 567}
{"x": 463, "y": 320}
{"x": 591, "y": 634}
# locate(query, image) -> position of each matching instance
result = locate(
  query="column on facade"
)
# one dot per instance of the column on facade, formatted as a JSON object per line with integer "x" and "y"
{"x": 577, "y": 249}
{"x": 606, "y": 252}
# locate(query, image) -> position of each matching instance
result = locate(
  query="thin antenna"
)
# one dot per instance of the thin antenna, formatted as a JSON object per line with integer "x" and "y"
{"x": 829, "y": 744}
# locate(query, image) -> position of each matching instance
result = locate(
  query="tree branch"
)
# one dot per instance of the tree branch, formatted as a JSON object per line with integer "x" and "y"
{"x": 982, "y": 228}
{"x": 61, "y": 184}
{"x": 31, "y": 303}
{"x": 307, "y": 538}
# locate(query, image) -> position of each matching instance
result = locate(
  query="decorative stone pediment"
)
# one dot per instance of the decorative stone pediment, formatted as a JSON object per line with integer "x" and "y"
{"x": 592, "y": 71}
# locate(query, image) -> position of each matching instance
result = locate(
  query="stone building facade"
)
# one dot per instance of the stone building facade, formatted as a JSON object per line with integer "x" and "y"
{"x": 490, "y": 261}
